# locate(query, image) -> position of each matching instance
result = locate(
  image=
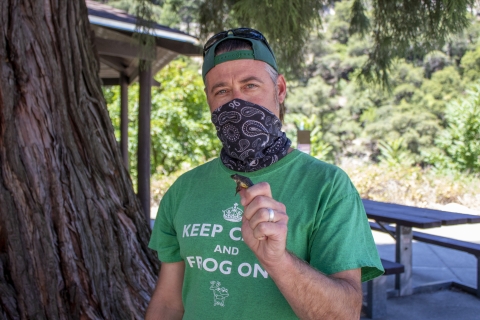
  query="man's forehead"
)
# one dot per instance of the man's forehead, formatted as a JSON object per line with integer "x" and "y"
{"x": 239, "y": 70}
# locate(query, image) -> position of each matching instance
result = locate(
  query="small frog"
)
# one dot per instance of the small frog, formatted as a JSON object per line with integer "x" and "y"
{"x": 242, "y": 182}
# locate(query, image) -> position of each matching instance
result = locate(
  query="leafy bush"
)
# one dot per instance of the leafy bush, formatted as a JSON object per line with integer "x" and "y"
{"x": 460, "y": 140}
{"x": 181, "y": 131}
{"x": 393, "y": 153}
{"x": 413, "y": 186}
{"x": 470, "y": 65}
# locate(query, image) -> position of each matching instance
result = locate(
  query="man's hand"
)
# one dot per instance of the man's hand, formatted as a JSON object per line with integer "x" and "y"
{"x": 267, "y": 239}
{"x": 311, "y": 294}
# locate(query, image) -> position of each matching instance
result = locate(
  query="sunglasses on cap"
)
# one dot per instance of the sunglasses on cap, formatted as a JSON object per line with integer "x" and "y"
{"x": 239, "y": 32}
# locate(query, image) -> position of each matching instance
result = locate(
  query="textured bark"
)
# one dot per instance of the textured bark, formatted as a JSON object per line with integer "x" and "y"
{"x": 73, "y": 240}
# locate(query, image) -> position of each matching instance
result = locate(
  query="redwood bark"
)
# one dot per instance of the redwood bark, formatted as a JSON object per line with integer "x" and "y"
{"x": 73, "y": 239}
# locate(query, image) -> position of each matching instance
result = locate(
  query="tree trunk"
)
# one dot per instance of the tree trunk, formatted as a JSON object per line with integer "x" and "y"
{"x": 73, "y": 239}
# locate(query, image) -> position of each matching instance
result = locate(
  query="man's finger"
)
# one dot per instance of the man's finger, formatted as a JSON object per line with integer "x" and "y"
{"x": 259, "y": 189}
{"x": 265, "y": 215}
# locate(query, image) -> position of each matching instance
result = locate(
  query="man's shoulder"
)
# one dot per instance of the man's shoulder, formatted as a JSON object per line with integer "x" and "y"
{"x": 307, "y": 162}
{"x": 319, "y": 172}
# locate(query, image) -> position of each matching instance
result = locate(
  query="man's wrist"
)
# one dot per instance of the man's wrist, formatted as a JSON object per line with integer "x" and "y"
{"x": 285, "y": 266}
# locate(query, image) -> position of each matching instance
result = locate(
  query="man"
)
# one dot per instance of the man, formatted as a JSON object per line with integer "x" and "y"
{"x": 297, "y": 246}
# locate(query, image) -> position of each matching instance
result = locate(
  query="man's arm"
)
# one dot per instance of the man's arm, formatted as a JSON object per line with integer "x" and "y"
{"x": 166, "y": 301}
{"x": 311, "y": 294}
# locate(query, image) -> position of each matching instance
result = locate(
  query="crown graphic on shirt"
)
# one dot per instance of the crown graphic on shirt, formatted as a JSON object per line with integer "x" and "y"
{"x": 233, "y": 214}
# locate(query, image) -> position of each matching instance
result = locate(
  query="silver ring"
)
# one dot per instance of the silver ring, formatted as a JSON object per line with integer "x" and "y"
{"x": 271, "y": 214}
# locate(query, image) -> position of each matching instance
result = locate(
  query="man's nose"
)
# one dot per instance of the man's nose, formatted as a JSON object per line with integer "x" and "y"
{"x": 238, "y": 94}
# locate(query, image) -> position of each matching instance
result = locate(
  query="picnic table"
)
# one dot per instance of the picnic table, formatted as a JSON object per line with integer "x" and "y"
{"x": 405, "y": 218}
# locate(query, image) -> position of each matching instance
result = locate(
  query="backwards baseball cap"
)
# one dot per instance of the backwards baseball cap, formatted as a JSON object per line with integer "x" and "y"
{"x": 260, "y": 49}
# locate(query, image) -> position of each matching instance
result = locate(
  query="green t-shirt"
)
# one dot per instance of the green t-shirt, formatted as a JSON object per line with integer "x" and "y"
{"x": 199, "y": 222}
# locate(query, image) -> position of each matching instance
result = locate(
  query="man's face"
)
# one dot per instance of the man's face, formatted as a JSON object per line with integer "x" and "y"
{"x": 244, "y": 79}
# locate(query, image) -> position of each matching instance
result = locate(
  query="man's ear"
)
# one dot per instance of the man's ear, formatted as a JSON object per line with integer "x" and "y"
{"x": 281, "y": 88}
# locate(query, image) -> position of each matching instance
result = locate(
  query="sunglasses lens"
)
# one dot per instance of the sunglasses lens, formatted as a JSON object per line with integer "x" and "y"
{"x": 240, "y": 32}
{"x": 249, "y": 33}
{"x": 214, "y": 39}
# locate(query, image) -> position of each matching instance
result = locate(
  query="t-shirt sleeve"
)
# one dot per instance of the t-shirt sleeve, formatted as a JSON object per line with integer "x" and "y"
{"x": 164, "y": 235}
{"x": 342, "y": 239}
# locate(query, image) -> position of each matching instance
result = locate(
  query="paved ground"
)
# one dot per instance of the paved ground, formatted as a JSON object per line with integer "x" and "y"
{"x": 439, "y": 305}
{"x": 436, "y": 264}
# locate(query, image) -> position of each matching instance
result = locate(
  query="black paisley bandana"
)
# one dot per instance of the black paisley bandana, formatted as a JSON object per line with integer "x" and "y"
{"x": 251, "y": 136}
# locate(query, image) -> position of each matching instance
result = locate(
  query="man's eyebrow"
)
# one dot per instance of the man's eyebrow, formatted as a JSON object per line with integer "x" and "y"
{"x": 248, "y": 79}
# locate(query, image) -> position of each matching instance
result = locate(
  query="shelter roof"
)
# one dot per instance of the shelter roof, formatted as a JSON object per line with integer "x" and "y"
{"x": 119, "y": 52}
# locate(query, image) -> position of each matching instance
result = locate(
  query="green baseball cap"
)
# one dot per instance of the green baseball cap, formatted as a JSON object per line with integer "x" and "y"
{"x": 260, "y": 49}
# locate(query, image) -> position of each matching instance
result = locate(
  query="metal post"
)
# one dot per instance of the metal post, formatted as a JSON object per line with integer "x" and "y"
{"x": 124, "y": 118}
{"x": 377, "y": 298}
{"x": 403, "y": 255}
{"x": 478, "y": 276}
{"x": 303, "y": 141}
{"x": 143, "y": 164}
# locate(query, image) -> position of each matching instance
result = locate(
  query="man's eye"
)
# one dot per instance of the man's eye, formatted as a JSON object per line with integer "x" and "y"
{"x": 223, "y": 91}
{"x": 251, "y": 85}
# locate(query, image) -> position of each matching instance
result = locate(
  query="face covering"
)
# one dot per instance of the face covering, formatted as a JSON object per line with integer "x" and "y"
{"x": 251, "y": 136}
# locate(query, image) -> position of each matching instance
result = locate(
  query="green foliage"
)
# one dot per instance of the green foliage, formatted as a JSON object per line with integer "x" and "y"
{"x": 394, "y": 29}
{"x": 470, "y": 64}
{"x": 444, "y": 86}
{"x": 416, "y": 128}
{"x": 460, "y": 141}
{"x": 181, "y": 130}
{"x": 404, "y": 72}
{"x": 181, "y": 120}
{"x": 319, "y": 148}
{"x": 347, "y": 117}
{"x": 285, "y": 23}
{"x": 435, "y": 61}
{"x": 352, "y": 116}
{"x": 148, "y": 10}
{"x": 401, "y": 28}
{"x": 339, "y": 27}
{"x": 393, "y": 153}
{"x": 417, "y": 186}
{"x": 316, "y": 106}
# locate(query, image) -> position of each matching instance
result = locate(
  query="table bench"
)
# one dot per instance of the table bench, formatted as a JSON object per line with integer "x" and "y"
{"x": 376, "y": 302}
{"x": 465, "y": 246}
{"x": 405, "y": 218}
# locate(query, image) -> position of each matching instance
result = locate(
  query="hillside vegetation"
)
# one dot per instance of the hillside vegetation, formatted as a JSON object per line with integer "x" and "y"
{"x": 416, "y": 142}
